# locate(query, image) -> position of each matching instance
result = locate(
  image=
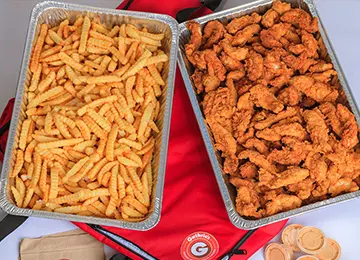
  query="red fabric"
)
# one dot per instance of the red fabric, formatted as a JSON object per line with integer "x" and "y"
{"x": 192, "y": 201}
{"x": 5, "y": 117}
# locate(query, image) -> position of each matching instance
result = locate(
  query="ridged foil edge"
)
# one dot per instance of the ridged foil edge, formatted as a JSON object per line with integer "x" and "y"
{"x": 153, "y": 218}
{"x": 234, "y": 216}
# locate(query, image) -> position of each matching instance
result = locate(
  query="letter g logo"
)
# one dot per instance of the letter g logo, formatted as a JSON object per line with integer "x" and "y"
{"x": 199, "y": 249}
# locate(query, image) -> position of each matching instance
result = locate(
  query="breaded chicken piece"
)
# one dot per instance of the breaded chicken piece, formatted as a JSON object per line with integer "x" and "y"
{"x": 292, "y": 36}
{"x": 290, "y": 96}
{"x": 248, "y": 170}
{"x": 257, "y": 159}
{"x": 218, "y": 108}
{"x": 224, "y": 140}
{"x": 210, "y": 82}
{"x": 237, "y": 53}
{"x": 325, "y": 76}
{"x": 248, "y": 203}
{"x": 342, "y": 186}
{"x": 310, "y": 43}
{"x": 302, "y": 189}
{"x": 198, "y": 59}
{"x": 254, "y": 66}
{"x": 301, "y": 63}
{"x": 270, "y": 18}
{"x": 248, "y": 134}
{"x": 317, "y": 165}
{"x": 230, "y": 63}
{"x": 214, "y": 65}
{"x": 195, "y": 38}
{"x": 241, "y": 22}
{"x": 270, "y": 38}
{"x": 334, "y": 174}
{"x": 331, "y": 117}
{"x": 290, "y": 120}
{"x": 318, "y": 91}
{"x": 320, "y": 66}
{"x": 300, "y": 18}
{"x": 231, "y": 164}
{"x": 197, "y": 78}
{"x": 316, "y": 127}
{"x": 273, "y": 118}
{"x": 259, "y": 48}
{"x": 236, "y": 74}
{"x": 282, "y": 202}
{"x": 245, "y": 102}
{"x": 213, "y": 32}
{"x": 258, "y": 145}
{"x": 242, "y": 36}
{"x": 240, "y": 122}
{"x": 262, "y": 97}
{"x": 276, "y": 132}
{"x": 294, "y": 152}
{"x": 349, "y": 136}
{"x": 281, "y": 7}
{"x": 293, "y": 174}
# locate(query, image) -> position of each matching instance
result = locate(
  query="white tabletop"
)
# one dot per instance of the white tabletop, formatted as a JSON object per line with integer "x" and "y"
{"x": 341, "y": 20}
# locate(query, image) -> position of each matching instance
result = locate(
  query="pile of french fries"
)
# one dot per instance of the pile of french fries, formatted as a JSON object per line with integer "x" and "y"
{"x": 87, "y": 142}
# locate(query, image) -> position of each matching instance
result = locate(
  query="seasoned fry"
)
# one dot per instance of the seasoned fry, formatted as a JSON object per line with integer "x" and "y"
{"x": 84, "y": 34}
{"x": 34, "y": 63}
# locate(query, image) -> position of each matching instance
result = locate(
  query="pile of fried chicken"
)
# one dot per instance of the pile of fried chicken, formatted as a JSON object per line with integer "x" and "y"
{"x": 276, "y": 109}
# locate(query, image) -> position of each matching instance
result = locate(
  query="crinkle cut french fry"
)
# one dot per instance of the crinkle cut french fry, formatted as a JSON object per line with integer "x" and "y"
{"x": 54, "y": 183}
{"x": 75, "y": 168}
{"x": 101, "y": 121}
{"x": 37, "y": 170}
{"x": 60, "y": 143}
{"x": 45, "y": 96}
{"x": 111, "y": 207}
{"x": 61, "y": 126}
{"x": 136, "y": 204}
{"x": 45, "y": 84}
{"x": 156, "y": 59}
{"x": 35, "y": 78}
{"x": 95, "y": 170}
{"x": 83, "y": 171}
{"x": 96, "y": 103}
{"x": 145, "y": 119}
{"x": 69, "y": 61}
{"x": 18, "y": 163}
{"x": 149, "y": 176}
{"x": 84, "y": 129}
{"x": 34, "y": 63}
{"x": 17, "y": 196}
{"x": 43, "y": 176}
{"x": 138, "y": 65}
{"x": 24, "y": 133}
{"x": 130, "y": 212}
{"x": 155, "y": 74}
{"x": 110, "y": 143}
{"x": 56, "y": 38}
{"x": 94, "y": 127}
{"x": 128, "y": 88}
{"x": 134, "y": 177}
{"x": 84, "y": 34}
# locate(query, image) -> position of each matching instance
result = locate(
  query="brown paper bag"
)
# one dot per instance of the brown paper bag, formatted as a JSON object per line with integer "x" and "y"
{"x": 71, "y": 245}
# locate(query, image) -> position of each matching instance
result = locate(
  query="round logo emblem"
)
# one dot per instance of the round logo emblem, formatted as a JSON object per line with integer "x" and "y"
{"x": 199, "y": 245}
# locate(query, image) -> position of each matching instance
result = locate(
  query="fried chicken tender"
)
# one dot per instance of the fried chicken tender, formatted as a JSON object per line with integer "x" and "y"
{"x": 292, "y": 36}
{"x": 240, "y": 122}
{"x": 213, "y": 32}
{"x": 242, "y": 22}
{"x": 197, "y": 78}
{"x": 274, "y": 118}
{"x": 218, "y": 107}
{"x": 290, "y": 96}
{"x": 270, "y": 18}
{"x": 320, "y": 66}
{"x": 224, "y": 140}
{"x": 254, "y": 66}
{"x": 349, "y": 136}
{"x": 259, "y": 48}
{"x": 231, "y": 164}
{"x": 257, "y": 144}
{"x": 262, "y": 97}
{"x": 294, "y": 152}
{"x": 230, "y": 63}
{"x": 282, "y": 202}
{"x": 214, "y": 65}
{"x": 342, "y": 186}
{"x": 331, "y": 117}
{"x": 210, "y": 82}
{"x": 316, "y": 127}
{"x": 281, "y": 7}
{"x": 195, "y": 38}
{"x": 236, "y": 74}
{"x": 248, "y": 203}
{"x": 248, "y": 170}
{"x": 318, "y": 91}
{"x": 309, "y": 43}
{"x": 301, "y": 63}
{"x": 237, "y": 53}
{"x": 198, "y": 59}
{"x": 276, "y": 132}
{"x": 244, "y": 102}
{"x": 302, "y": 189}
{"x": 325, "y": 76}
{"x": 270, "y": 38}
{"x": 257, "y": 159}
{"x": 300, "y": 18}
{"x": 293, "y": 174}
{"x": 242, "y": 36}
{"x": 317, "y": 165}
